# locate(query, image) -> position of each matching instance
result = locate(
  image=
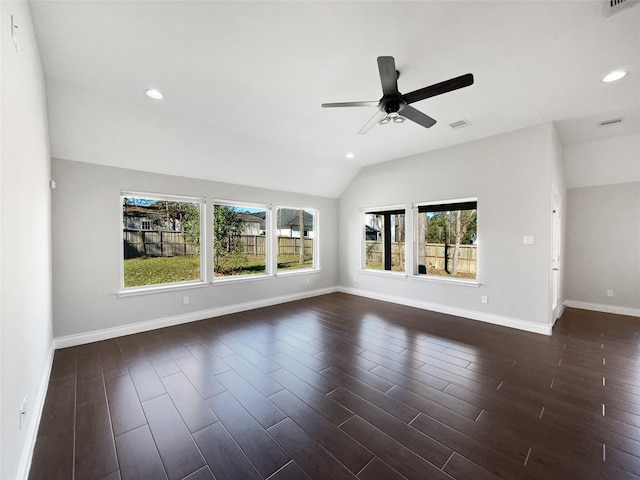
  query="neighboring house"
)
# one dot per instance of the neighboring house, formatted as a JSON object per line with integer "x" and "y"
{"x": 140, "y": 217}
{"x": 372, "y": 233}
{"x": 251, "y": 224}
{"x": 289, "y": 223}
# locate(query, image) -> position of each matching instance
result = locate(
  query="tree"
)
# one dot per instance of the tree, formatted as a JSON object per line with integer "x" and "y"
{"x": 301, "y": 222}
{"x": 452, "y": 228}
{"x": 227, "y": 247}
{"x": 179, "y": 216}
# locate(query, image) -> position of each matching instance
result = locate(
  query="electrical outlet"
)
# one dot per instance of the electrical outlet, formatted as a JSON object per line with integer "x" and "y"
{"x": 485, "y": 299}
{"x": 528, "y": 240}
{"x": 306, "y": 281}
{"x": 609, "y": 293}
{"x": 185, "y": 300}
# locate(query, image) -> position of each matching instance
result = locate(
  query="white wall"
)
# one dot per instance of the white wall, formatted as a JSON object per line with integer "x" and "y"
{"x": 604, "y": 234}
{"x": 86, "y": 251}
{"x": 25, "y": 240}
{"x": 603, "y": 225}
{"x": 511, "y": 175}
{"x": 603, "y": 162}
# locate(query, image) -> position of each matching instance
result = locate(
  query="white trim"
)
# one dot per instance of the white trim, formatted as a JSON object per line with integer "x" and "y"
{"x": 459, "y": 312}
{"x": 161, "y": 196}
{"x": 97, "y": 335}
{"x": 444, "y": 202}
{"x": 298, "y": 271}
{"x": 233, "y": 203}
{"x": 384, "y": 273}
{"x": 30, "y": 441}
{"x": 560, "y": 311}
{"x": 247, "y": 277}
{"x": 453, "y": 281}
{"x": 160, "y": 288}
{"x": 598, "y": 307}
{"x": 386, "y": 208}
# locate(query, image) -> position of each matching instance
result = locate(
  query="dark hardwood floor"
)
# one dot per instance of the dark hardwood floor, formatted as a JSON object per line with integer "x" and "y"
{"x": 343, "y": 387}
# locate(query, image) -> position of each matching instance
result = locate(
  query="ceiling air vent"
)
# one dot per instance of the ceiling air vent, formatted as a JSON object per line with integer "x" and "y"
{"x": 460, "y": 124}
{"x": 612, "y": 7}
{"x": 613, "y": 121}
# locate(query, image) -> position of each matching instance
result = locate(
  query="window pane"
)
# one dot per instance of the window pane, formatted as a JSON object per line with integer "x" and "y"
{"x": 447, "y": 242}
{"x": 161, "y": 239}
{"x": 374, "y": 244}
{"x": 239, "y": 240}
{"x": 295, "y": 243}
{"x": 384, "y": 241}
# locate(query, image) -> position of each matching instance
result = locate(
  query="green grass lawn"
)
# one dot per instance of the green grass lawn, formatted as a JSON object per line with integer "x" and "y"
{"x": 156, "y": 270}
{"x": 292, "y": 262}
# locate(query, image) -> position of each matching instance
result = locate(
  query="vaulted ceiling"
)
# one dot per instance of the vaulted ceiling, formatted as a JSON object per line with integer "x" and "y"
{"x": 243, "y": 81}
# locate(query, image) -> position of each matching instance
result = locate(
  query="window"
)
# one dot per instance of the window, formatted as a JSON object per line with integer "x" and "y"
{"x": 384, "y": 240}
{"x": 297, "y": 238}
{"x": 240, "y": 240}
{"x": 161, "y": 239}
{"x": 447, "y": 239}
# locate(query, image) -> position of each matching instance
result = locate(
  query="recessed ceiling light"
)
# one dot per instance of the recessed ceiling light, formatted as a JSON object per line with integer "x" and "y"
{"x": 350, "y": 155}
{"x": 155, "y": 94}
{"x": 613, "y": 76}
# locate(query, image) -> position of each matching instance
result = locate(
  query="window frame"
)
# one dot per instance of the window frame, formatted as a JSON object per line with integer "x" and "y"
{"x": 416, "y": 244}
{"x": 388, "y": 209}
{"x": 269, "y": 273}
{"x": 163, "y": 287}
{"x": 316, "y": 242}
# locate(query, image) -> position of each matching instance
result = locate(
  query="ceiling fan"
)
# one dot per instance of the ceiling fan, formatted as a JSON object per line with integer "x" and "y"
{"x": 394, "y": 106}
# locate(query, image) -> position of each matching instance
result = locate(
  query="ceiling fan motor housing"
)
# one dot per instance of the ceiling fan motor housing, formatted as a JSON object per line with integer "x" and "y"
{"x": 392, "y": 105}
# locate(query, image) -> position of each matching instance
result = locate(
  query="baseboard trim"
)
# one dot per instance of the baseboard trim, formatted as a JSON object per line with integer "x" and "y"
{"x": 598, "y": 307}
{"x": 107, "y": 333}
{"x": 30, "y": 443}
{"x": 459, "y": 312}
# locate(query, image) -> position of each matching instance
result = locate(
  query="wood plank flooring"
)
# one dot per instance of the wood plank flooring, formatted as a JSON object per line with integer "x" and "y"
{"x": 344, "y": 387}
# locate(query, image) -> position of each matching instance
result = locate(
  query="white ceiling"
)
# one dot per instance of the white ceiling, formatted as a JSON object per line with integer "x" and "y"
{"x": 243, "y": 81}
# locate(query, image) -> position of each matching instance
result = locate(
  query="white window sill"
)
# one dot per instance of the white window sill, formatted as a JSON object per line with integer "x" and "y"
{"x": 168, "y": 287}
{"x": 241, "y": 278}
{"x": 383, "y": 273}
{"x": 452, "y": 281}
{"x": 301, "y": 271}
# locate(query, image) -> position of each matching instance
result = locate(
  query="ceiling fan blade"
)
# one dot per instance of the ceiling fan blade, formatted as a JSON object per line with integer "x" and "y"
{"x": 388, "y": 76}
{"x": 439, "y": 88}
{"x": 372, "y": 122}
{"x": 351, "y": 104}
{"x": 417, "y": 116}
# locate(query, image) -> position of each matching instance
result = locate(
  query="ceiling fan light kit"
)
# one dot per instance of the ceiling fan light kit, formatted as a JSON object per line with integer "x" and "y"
{"x": 394, "y": 106}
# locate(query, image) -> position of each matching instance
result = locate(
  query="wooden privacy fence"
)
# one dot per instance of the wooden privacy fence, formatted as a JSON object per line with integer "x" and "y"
{"x": 256, "y": 245}
{"x": 157, "y": 243}
{"x": 291, "y": 246}
{"x": 433, "y": 255}
{"x": 375, "y": 254}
